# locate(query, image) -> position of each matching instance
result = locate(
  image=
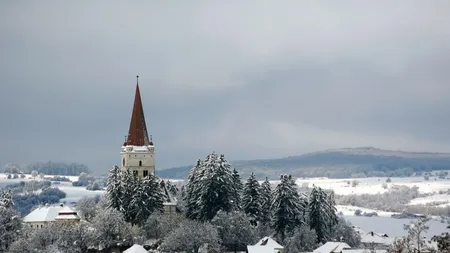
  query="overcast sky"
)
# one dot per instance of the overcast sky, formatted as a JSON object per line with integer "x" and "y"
{"x": 250, "y": 79}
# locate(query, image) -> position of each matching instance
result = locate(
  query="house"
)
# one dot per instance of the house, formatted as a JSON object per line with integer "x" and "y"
{"x": 332, "y": 247}
{"x": 43, "y": 215}
{"x": 136, "y": 249}
{"x": 265, "y": 245}
{"x": 372, "y": 240}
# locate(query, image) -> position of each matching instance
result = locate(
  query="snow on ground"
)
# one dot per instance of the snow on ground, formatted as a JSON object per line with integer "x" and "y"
{"x": 350, "y": 211}
{"x": 438, "y": 199}
{"x": 393, "y": 227}
{"x": 73, "y": 194}
{"x": 374, "y": 185}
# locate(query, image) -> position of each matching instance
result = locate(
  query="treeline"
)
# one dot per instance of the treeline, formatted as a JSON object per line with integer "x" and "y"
{"x": 25, "y": 197}
{"x": 48, "y": 168}
{"x": 396, "y": 199}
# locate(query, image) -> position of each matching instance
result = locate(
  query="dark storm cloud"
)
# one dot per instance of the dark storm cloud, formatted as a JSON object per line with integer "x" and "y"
{"x": 249, "y": 78}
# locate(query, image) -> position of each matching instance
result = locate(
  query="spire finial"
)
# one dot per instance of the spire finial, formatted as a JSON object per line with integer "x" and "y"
{"x": 137, "y": 79}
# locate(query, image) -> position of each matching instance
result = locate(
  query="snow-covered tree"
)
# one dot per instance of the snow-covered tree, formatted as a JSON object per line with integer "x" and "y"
{"x": 191, "y": 190}
{"x": 6, "y": 199}
{"x": 148, "y": 198}
{"x": 216, "y": 187}
{"x": 159, "y": 225}
{"x": 266, "y": 200}
{"x": 332, "y": 211}
{"x": 235, "y": 230}
{"x": 210, "y": 188}
{"x": 87, "y": 208}
{"x": 343, "y": 231}
{"x": 129, "y": 183}
{"x": 287, "y": 207}
{"x": 443, "y": 242}
{"x": 114, "y": 188}
{"x": 75, "y": 238}
{"x": 237, "y": 184}
{"x": 304, "y": 239}
{"x": 34, "y": 174}
{"x": 10, "y": 225}
{"x": 321, "y": 214}
{"x": 251, "y": 198}
{"x": 416, "y": 231}
{"x": 190, "y": 236}
{"x": 110, "y": 228}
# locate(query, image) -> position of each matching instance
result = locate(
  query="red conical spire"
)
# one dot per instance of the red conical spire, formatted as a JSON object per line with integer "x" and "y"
{"x": 137, "y": 134}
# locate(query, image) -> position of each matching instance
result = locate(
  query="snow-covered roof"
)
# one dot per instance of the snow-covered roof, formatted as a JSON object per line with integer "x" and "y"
{"x": 261, "y": 249}
{"x": 331, "y": 247}
{"x": 136, "y": 249}
{"x": 51, "y": 213}
{"x": 269, "y": 242}
{"x": 372, "y": 237}
{"x": 43, "y": 214}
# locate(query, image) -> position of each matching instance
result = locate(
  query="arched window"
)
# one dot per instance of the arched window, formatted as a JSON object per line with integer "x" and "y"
{"x": 140, "y": 163}
{"x": 123, "y": 161}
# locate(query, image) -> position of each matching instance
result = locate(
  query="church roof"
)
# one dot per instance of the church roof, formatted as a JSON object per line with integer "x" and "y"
{"x": 137, "y": 134}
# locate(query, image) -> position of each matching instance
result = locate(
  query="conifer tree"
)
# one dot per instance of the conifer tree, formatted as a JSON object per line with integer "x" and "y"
{"x": 287, "y": 207}
{"x": 237, "y": 184}
{"x": 216, "y": 191}
{"x": 251, "y": 199}
{"x": 148, "y": 198}
{"x": 210, "y": 188}
{"x": 266, "y": 200}
{"x": 129, "y": 190}
{"x": 321, "y": 214}
{"x": 114, "y": 188}
{"x": 332, "y": 211}
{"x": 191, "y": 190}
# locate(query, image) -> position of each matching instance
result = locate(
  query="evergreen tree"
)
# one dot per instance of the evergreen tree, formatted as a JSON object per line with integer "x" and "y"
{"x": 216, "y": 191}
{"x": 332, "y": 211}
{"x": 129, "y": 191}
{"x": 251, "y": 199}
{"x": 10, "y": 222}
{"x": 237, "y": 184}
{"x": 114, "y": 188}
{"x": 266, "y": 200}
{"x": 191, "y": 190}
{"x": 321, "y": 214}
{"x": 287, "y": 207}
{"x": 148, "y": 198}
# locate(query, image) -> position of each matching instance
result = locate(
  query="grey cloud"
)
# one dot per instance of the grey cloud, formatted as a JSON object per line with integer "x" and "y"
{"x": 250, "y": 78}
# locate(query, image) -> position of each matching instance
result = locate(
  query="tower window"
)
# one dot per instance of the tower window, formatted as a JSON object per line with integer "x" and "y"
{"x": 145, "y": 173}
{"x": 140, "y": 163}
{"x": 123, "y": 161}
{"x": 135, "y": 173}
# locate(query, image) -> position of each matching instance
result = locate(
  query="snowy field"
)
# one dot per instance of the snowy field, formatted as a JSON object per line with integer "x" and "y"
{"x": 393, "y": 227}
{"x": 373, "y": 185}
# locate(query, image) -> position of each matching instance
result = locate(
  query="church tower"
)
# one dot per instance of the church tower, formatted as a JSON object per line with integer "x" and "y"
{"x": 138, "y": 152}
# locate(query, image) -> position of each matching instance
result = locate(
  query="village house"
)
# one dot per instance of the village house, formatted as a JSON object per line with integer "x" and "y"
{"x": 43, "y": 215}
{"x": 332, "y": 247}
{"x": 265, "y": 245}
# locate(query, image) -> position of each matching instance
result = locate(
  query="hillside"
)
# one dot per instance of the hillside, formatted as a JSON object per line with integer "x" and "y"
{"x": 337, "y": 163}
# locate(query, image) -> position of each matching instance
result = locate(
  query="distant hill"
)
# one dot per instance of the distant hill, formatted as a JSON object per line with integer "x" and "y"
{"x": 336, "y": 163}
